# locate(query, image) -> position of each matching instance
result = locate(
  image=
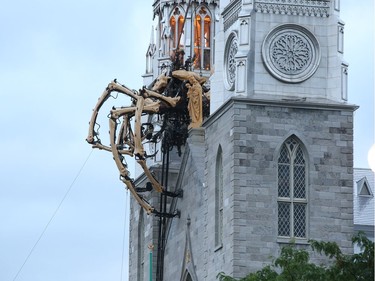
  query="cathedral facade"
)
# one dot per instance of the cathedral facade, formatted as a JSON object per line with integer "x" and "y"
{"x": 273, "y": 161}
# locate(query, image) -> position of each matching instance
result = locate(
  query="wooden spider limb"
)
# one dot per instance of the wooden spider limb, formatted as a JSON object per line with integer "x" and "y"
{"x": 187, "y": 75}
{"x": 169, "y": 100}
{"x": 157, "y": 186}
{"x": 92, "y": 134}
{"x": 125, "y": 137}
{"x": 130, "y": 185}
{"x": 160, "y": 83}
{"x": 138, "y": 146}
{"x": 129, "y": 143}
{"x": 137, "y": 111}
{"x": 124, "y": 172}
{"x": 112, "y": 86}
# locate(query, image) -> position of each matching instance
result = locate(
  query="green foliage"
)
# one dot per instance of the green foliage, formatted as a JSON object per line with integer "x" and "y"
{"x": 265, "y": 274}
{"x": 293, "y": 264}
{"x": 356, "y": 267}
{"x": 223, "y": 277}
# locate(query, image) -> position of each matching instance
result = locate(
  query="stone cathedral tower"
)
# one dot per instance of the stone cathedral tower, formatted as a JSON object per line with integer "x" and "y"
{"x": 274, "y": 160}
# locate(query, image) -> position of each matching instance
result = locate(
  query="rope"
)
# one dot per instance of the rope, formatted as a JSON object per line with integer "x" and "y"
{"x": 53, "y": 216}
{"x": 124, "y": 235}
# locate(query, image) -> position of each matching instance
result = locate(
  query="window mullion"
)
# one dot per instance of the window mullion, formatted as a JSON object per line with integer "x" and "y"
{"x": 178, "y": 32}
{"x": 291, "y": 219}
{"x": 202, "y": 42}
{"x": 291, "y": 194}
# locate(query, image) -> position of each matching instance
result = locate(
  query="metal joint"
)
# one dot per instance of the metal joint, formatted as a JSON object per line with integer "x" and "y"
{"x": 179, "y": 193}
{"x": 177, "y": 213}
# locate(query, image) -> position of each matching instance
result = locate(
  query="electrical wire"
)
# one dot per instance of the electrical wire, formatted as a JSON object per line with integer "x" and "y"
{"x": 124, "y": 234}
{"x": 53, "y": 216}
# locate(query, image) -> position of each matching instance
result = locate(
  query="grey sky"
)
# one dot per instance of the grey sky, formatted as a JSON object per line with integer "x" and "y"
{"x": 56, "y": 57}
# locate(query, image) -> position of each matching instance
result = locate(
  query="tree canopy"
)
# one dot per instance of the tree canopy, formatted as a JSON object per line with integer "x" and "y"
{"x": 294, "y": 264}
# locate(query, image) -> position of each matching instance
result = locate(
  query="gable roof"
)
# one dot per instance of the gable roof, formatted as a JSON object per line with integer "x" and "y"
{"x": 363, "y": 196}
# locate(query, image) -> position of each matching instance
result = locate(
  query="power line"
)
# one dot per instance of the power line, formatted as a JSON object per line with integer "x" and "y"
{"x": 53, "y": 216}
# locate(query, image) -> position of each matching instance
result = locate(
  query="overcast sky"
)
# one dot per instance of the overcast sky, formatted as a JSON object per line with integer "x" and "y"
{"x": 56, "y": 57}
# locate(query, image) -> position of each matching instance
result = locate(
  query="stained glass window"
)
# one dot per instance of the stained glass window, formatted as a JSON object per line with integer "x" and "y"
{"x": 176, "y": 23}
{"x": 202, "y": 40}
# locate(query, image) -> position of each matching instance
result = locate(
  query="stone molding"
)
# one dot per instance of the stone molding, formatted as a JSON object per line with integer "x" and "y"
{"x": 230, "y": 13}
{"x": 314, "y": 8}
{"x": 158, "y": 5}
{"x": 344, "y": 81}
{"x": 300, "y": 104}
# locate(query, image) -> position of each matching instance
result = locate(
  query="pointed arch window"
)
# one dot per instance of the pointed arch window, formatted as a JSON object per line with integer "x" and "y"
{"x": 188, "y": 277}
{"x": 176, "y": 23}
{"x": 292, "y": 190}
{"x": 202, "y": 40}
{"x": 219, "y": 200}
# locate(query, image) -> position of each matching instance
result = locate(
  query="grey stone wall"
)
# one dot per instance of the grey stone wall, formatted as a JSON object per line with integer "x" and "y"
{"x": 251, "y": 134}
{"x": 193, "y": 205}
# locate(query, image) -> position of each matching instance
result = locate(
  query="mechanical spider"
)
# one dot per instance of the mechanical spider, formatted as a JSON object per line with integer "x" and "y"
{"x": 181, "y": 101}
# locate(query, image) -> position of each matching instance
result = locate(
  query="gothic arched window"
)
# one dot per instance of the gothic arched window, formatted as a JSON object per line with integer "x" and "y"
{"x": 292, "y": 190}
{"x": 176, "y": 23}
{"x": 141, "y": 246}
{"x": 188, "y": 277}
{"x": 219, "y": 198}
{"x": 202, "y": 40}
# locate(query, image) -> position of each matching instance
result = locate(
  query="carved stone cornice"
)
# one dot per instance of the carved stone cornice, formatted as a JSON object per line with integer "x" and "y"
{"x": 298, "y": 104}
{"x": 215, "y": 2}
{"x": 159, "y": 4}
{"x": 314, "y": 8}
{"x": 230, "y": 13}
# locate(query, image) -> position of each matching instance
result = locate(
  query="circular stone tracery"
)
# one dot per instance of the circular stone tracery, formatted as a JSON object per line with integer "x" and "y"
{"x": 230, "y": 62}
{"x": 291, "y": 53}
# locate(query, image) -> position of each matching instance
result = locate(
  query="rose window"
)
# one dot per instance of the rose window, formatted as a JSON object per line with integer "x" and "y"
{"x": 291, "y": 53}
{"x": 230, "y": 62}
